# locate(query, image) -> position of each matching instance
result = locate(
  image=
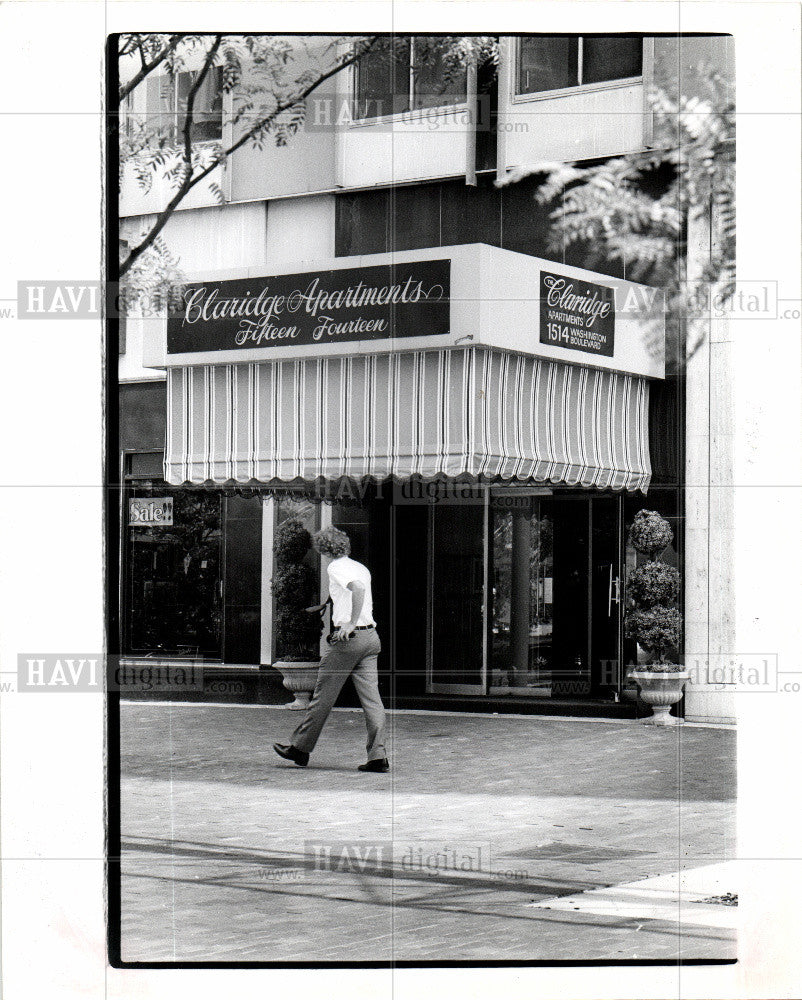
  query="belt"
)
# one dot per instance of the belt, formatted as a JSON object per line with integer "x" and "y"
{"x": 356, "y": 628}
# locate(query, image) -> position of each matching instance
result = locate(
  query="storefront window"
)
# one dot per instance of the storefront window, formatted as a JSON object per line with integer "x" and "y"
{"x": 354, "y": 519}
{"x": 174, "y": 605}
{"x": 511, "y": 593}
{"x": 308, "y": 513}
{"x": 521, "y": 594}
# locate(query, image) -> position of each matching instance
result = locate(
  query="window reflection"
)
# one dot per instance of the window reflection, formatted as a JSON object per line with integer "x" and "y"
{"x": 435, "y": 84}
{"x": 548, "y": 63}
{"x": 305, "y": 510}
{"x": 558, "y": 62}
{"x": 521, "y": 595}
{"x": 413, "y": 68}
{"x": 383, "y": 82}
{"x": 207, "y": 109}
{"x": 308, "y": 513}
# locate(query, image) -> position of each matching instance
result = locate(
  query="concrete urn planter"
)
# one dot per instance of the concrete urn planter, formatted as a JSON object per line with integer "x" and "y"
{"x": 299, "y": 680}
{"x": 660, "y": 689}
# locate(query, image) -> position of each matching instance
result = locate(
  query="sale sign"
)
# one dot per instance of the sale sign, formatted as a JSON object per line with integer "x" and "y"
{"x": 150, "y": 512}
{"x": 576, "y": 314}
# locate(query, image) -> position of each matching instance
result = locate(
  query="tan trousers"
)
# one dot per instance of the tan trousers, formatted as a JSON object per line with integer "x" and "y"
{"x": 356, "y": 658}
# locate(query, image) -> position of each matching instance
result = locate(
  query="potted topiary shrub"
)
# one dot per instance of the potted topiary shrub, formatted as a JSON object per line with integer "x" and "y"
{"x": 653, "y": 619}
{"x": 297, "y": 632}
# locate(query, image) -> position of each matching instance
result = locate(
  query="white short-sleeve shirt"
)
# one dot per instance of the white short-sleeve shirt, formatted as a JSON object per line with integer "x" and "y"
{"x": 343, "y": 571}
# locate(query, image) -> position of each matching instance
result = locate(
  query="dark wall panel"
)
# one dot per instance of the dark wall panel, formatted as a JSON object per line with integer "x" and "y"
{"x": 570, "y": 608}
{"x": 415, "y": 218}
{"x": 524, "y": 222}
{"x": 243, "y": 579}
{"x": 451, "y": 213}
{"x": 667, "y": 430}
{"x": 362, "y": 223}
{"x": 470, "y": 214}
{"x": 143, "y": 416}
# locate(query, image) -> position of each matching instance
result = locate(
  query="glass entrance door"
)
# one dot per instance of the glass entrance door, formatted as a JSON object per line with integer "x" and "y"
{"x": 555, "y": 603}
{"x": 521, "y": 575}
{"x": 525, "y": 595}
{"x": 606, "y": 525}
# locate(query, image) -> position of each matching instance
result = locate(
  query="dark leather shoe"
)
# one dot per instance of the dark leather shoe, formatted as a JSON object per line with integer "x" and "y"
{"x": 298, "y": 757}
{"x": 375, "y": 765}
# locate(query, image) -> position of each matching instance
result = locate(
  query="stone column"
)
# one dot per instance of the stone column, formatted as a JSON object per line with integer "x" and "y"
{"x": 709, "y": 523}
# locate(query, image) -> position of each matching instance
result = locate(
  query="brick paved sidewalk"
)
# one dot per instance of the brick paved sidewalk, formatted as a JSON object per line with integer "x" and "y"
{"x": 231, "y": 854}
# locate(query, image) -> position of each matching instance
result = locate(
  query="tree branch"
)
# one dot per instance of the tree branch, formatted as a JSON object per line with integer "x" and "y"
{"x": 148, "y": 67}
{"x": 189, "y": 181}
{"x": 127, "y": 44}
{"x": 193, "y": 90}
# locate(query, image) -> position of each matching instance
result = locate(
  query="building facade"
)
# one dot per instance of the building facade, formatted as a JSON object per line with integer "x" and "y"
{"x": 377, "y": 334}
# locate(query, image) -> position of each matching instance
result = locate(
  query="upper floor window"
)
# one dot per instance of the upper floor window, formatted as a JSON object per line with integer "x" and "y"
{"x": 411, "y": 76}
{"x": 168, "y": 96}
{"x": 127, "y": 116}
{"x": 207, "y": 109}
{"x": 556, "y": 62}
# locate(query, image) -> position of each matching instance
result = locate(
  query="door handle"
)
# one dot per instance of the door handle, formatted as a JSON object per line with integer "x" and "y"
{"x": 613, "y": 592}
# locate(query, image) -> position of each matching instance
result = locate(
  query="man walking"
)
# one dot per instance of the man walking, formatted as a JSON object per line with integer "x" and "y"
{"x": 354, "y": 649}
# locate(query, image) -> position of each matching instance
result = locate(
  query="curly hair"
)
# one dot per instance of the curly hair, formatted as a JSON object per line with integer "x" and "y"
{"x": 331, "y": 542}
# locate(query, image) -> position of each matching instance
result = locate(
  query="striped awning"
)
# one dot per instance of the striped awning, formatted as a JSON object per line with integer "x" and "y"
{"x": 471, "y": 412}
